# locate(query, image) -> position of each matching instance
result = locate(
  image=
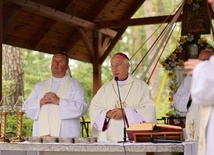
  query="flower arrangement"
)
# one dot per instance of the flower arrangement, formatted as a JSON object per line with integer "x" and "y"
{"x": 177, "y": 57}
{"x": 173, "y": 85}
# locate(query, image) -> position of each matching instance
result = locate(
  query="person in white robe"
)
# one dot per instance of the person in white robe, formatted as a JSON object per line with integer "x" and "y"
{"x": 202, "y": 92}
{"x": 56, "y": 104}
{"x": 107, "y": 117}
{"x": 183, "y": 103}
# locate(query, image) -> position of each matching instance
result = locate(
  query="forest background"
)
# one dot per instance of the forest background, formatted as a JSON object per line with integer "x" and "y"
{"x": 23, "y": 68}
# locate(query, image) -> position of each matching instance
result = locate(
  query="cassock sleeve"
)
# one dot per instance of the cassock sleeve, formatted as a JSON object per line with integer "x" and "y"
{"x": 146, "y": 107}
{"x": 74, "y": 105}
{"x": 133, "y": 116}
{"x": 100, "y": 121}
{"x": 32, "y": 104}
{"x": 182, "y": 95}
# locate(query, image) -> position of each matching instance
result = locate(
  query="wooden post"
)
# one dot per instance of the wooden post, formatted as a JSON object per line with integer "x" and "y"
{"x": 96, "y": 64}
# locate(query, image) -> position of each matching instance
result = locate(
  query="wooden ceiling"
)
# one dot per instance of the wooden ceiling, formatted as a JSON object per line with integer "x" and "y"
{"x": 87, "y": 30}
{"x": 76, "y": 27}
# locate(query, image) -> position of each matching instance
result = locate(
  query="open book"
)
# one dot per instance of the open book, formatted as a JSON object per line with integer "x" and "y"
{"x": 153, "y": 129}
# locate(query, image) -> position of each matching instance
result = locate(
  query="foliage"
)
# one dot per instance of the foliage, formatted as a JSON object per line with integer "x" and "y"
{"x": 7, "y": 86}
{"x": 12, "y": 125}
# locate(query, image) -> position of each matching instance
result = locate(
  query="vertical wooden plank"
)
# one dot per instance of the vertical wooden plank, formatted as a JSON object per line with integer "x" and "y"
{"x": 96, "y": 64}
{"x": 1, "y": 39}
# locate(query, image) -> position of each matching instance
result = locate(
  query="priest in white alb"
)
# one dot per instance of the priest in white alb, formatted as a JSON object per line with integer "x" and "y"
{"x": 56, "y": 104}
{"x": 202, "y": 93}
{"x": 183, "y": 103}
{"x": 134, "y": 96}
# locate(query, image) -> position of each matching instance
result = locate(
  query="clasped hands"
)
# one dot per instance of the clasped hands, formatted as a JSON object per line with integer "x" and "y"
{"x": 116, "y": 114}
{"x": 49, "y": 97}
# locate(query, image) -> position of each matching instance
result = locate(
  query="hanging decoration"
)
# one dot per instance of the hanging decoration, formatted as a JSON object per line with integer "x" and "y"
{"x": 188, "y": 47}
{"x": 183, "y": 52}
{"x": 195, "y": 17}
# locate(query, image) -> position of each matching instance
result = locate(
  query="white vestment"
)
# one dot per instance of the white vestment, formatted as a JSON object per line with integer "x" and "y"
{"x": 71, "y": 107}
{"x": 180, "y": 101}
{"x": 137, "y": 103}
{"x": 202, "y": 92}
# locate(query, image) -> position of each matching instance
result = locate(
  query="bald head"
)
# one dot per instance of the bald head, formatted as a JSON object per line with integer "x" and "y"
{"x": 120, "y": 66}
{"x": 205, "y": 54}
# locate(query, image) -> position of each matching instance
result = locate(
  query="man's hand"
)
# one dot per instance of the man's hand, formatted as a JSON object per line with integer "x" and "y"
{"x": 49, "y": 97}
{"x": 115, "y": 114}
{"x": 190, "y": 65}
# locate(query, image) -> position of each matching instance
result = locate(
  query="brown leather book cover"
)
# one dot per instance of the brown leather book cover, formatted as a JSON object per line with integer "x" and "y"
{"x": 151, "y": 128}
{"x": 169, "y": 128}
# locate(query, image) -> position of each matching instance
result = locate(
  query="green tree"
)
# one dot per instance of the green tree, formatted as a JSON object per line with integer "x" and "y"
{"x": 36, "y": 69}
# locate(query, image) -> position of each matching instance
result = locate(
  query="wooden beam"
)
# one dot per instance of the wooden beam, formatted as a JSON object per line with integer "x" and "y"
{"x": 113, "y": 43}
{"x": 105, "y": 44}
{"x": 73, "y": 40}
{"x": 92, "y": 16}
{"x": 49, "y": 24}
{"x": 142, "y": 21}
{"x": 133, "y": 7}
{"x": 136, "y": 21}
{"x": 87, "y": 42}
{"x": 9, "y": 19}
{"x": 96, "y": 65}
{"x": 43, "y": 32}
{"x": 47, "y": 48}
{"x": 60, "y": 16}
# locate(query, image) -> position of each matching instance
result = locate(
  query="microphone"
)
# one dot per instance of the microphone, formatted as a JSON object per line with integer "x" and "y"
{"x": 124, "y": 124}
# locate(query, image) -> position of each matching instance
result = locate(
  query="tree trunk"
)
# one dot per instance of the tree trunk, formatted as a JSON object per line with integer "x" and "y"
{"x": 14, "y": 71}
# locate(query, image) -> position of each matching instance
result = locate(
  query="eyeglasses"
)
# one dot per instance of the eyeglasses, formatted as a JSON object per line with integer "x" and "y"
{"x": 116, "y": 66}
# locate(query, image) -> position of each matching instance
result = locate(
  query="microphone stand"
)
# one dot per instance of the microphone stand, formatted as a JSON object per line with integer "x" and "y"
{"x": 124, "y": 124}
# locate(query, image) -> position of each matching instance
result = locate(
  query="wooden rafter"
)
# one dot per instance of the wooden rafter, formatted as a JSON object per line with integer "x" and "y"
{"x": 76, "y": 37}
{"x": 135, "y": 22}
{"x": 48, "y": 26}
{"x": 87, "y": 42}
{"x": 60, "y": 16}
{"x": 134, "y": 7}
{"x": 43, "y": 32}
{"x": 9, "y": 20}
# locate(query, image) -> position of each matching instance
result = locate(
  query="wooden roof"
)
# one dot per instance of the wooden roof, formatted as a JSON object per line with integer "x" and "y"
{"x": 76, "y": 27}
{"x": 87, "y": 30}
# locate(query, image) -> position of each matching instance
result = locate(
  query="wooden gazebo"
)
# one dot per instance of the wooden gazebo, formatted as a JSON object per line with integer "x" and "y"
{"x": 87, "y": 30}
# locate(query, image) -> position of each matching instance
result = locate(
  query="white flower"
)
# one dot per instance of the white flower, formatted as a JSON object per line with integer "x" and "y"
{"x": 179, "y": 49}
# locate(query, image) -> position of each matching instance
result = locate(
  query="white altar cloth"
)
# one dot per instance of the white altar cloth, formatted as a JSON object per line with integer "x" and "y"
{"x": 27, "y": 148}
